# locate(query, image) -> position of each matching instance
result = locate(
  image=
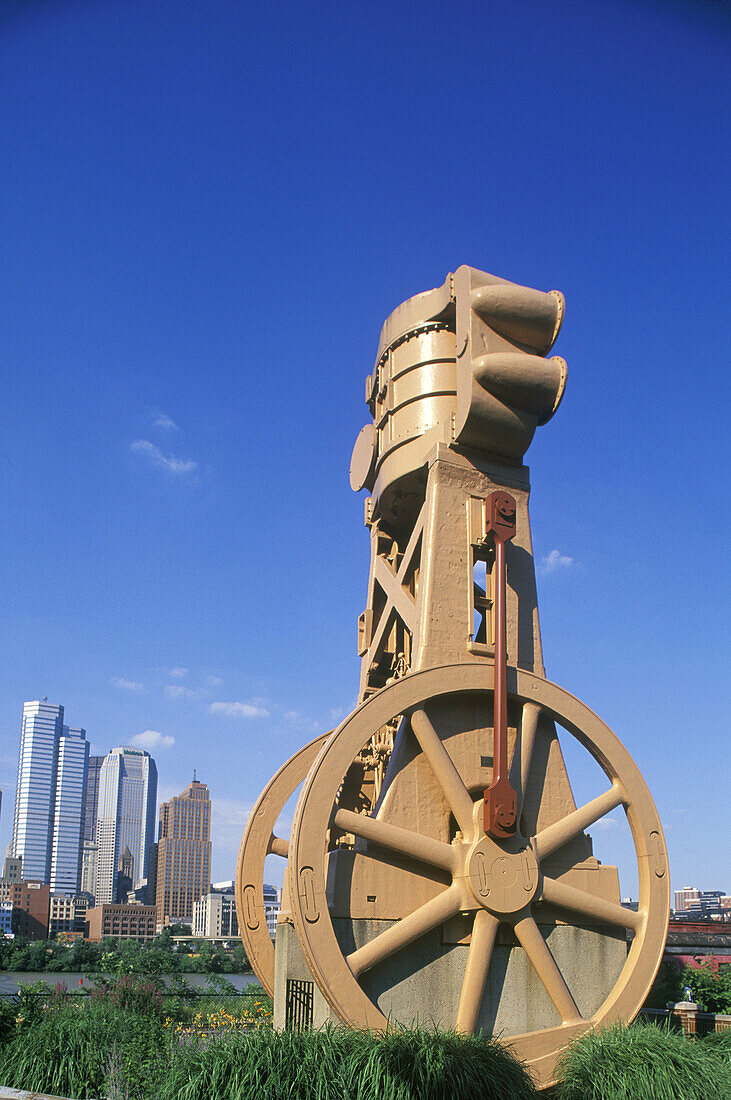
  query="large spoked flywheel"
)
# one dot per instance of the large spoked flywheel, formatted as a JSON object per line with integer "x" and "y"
{"x": 497, "y": 886}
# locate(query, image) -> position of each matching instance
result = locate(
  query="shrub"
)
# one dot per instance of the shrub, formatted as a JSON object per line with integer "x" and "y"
{"x": 132, "y": 995}
{"x": 342, "y": 1064}
{"x": 32, "y": 999}
{"x": 642, "y": 1062}
{"x": 710, "y": 985}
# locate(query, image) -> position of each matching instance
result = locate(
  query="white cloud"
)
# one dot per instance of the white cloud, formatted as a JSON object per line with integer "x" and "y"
{"x": 555, "y": 560}
{"x": 604, "y": 824}
{"x": 162, "y": 420}
{"x": 177, "y": 691}
{"x": 214, "y": 681}
{"x": 128, "y": 685}
{"x": 179, "y": 673}
{"x": 153, "y": 739}
{"x": 239, "y": 710}
{"x": 173, "y": 465}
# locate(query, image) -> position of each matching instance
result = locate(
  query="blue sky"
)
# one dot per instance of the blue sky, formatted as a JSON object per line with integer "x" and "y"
{"x": 208, "y": 211}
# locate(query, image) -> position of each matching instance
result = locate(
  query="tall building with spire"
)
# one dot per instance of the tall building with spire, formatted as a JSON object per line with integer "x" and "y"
{"x": 125, "y": 819}
{"x": 183, "y": 854}
{"x": 52, "y": 766}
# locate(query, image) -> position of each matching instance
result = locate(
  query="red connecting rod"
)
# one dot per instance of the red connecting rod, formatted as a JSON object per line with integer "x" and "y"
{"x": 500, "y": 798}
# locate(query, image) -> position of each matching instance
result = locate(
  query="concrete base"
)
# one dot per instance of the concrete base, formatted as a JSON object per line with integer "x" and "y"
{"x": 422, "y": 984}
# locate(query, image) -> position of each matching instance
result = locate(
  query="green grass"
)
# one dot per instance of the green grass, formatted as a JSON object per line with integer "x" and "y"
{"x": 720, "y": 1042}
{"x": 644, "y": 1062}
{"x": 67, "y": 1052}
{"x": 99, "y": 1050}
{"x": 340, "y": 1064}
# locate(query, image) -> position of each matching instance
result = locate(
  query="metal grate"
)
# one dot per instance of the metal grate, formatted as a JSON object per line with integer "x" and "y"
{"x": 298, "y": 1013}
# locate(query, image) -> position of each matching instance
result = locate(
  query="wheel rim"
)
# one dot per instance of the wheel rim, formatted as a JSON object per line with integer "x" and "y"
{"x": 335, "y": 975}
{"x": 257, "y": 843}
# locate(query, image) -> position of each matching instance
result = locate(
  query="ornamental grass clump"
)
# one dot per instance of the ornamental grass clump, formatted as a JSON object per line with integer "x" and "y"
{"x": 67, "y": 1053}
{"x": 643, "y": 1062}
{"x": 342, "y": 1064}
{"x": 720, "y": 1043}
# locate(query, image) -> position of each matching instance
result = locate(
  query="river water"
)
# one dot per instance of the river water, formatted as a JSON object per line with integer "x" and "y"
{"x": 10, "y": 980}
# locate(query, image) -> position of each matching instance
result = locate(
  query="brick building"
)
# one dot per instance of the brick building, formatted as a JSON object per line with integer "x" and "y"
{"x": 183, "y": 868}
{"x": 124, "y": 922}
{"x": 31, "y": 902}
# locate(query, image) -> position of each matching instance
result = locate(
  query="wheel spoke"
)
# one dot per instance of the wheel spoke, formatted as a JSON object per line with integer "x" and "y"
{"x": 405, "y": 931}
{"x": 523, "y": 752}
{"x": 447, "y": 775}
{"x": 277, "y": 846}
{"x": 579, "y": 901}
{"x": 544, "y": 964}
{"x": 424, "y": 848}
{"x": 555, "y": 836}
{"x": 484, "y": 932}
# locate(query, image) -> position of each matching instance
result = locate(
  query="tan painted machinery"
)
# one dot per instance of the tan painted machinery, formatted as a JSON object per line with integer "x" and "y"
{"x": 438, "y": 868}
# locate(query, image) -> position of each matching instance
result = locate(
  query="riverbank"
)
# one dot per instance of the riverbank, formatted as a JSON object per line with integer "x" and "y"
{"x": 13, "y": 981}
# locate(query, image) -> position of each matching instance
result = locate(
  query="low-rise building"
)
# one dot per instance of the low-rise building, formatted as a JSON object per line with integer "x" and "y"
{"x": 696, "y": 943}
{"x": 692, "y": 904}
{"x": 6, "y": 918}
{"x": 214, "y": 916}
{"x": 124, "y": 922}
{"x": 272, "y": 905}
{"x": 31, "y": 902}
{"x": 67, "y": 913}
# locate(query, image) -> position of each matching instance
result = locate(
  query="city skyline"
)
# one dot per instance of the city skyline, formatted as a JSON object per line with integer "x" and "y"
{"x": 210, "y": 218}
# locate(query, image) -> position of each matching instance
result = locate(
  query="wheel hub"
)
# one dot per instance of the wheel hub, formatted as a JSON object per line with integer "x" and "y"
{"x": 502, "y": 881}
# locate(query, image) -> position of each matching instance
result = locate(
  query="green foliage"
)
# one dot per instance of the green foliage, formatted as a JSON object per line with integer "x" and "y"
{"x": 131, "y": 994}
{"x": 67, "y": 1052}
{"x": 340, "y": 1064}
{"x": 667, "y": 987}
{"x": 8, "y": 1012}
{"x": 180, "y": 930}
{"x": 710, "y": 985}
{"x": 643, "y": 1062}
{"x": 216, "y": 983}
{"x": 111, "y": 956}
{"x": 720, "y": 1041}
{"x": 31, "y": 999}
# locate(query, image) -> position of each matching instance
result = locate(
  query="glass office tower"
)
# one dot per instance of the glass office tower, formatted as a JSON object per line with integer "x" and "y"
{"x": 48, "y": 801}
{"x": 125, "y": 818}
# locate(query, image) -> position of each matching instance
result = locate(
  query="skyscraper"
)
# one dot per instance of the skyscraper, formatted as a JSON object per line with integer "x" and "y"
{"x": 71, "y": 767}
{"x": 125, "y": 818}
{"x": 91, "y": 799}
{"x": 51, "y": 774}
{"x": 88, "y": 825}
{"x": 183, "y": 854}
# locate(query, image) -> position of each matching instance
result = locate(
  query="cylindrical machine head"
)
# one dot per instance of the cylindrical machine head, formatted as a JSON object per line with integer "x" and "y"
{"x": 462, "y": 365}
